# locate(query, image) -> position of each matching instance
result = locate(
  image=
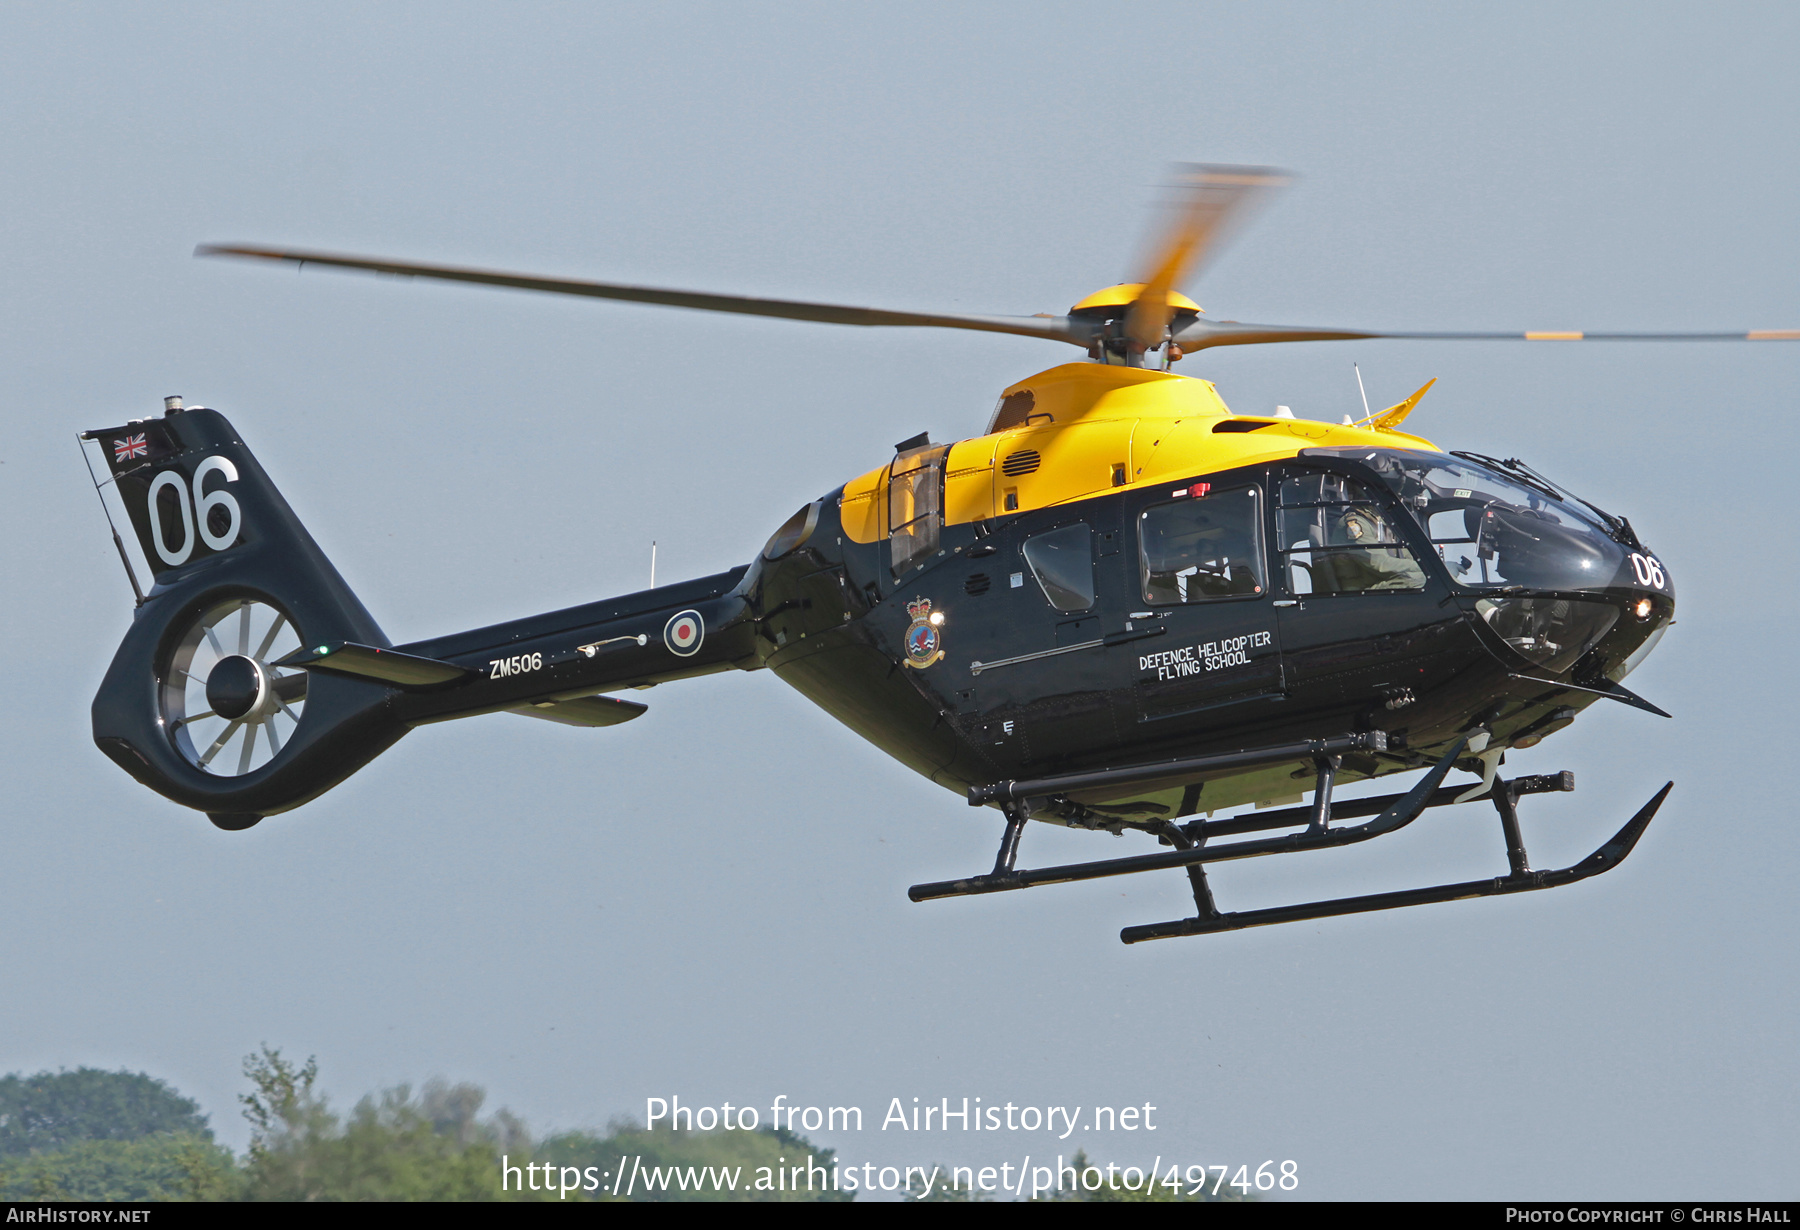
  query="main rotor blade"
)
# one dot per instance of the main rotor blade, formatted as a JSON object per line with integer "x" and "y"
{"x": 1055, "y": 328}
{"x": 1209, "y": 197}
{"x": 1203, "y": 333}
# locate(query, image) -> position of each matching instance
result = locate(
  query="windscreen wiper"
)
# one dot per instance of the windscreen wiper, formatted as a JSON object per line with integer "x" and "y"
{"x": 1617, "y": 528}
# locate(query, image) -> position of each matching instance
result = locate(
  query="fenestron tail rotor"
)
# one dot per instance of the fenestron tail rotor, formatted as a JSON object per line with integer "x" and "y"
{"x": 224, "y": 703}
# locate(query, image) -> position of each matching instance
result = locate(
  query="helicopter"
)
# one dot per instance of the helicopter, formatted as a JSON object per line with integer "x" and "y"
{"x": 1121, "y": 607}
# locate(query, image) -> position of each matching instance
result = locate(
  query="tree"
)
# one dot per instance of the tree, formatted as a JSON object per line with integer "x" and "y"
{"x": 393, "y": 1146}
{"x": 156, "y": 1167}
{"x": 669, "y": 1164}
{"x": 433, "y": 1143}
{"x": 52, "y": 1110}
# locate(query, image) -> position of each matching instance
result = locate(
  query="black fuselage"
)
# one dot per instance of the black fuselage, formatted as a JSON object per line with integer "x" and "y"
{"x": 1023, "y": 689}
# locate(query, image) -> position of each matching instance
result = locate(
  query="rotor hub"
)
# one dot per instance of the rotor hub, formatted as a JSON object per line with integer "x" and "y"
{"x": 1116, "y": 301}
{"x": 1107, "y": 312}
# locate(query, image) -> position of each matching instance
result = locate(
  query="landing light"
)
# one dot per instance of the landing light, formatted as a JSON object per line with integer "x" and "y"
{"x": 1643, "y": 608}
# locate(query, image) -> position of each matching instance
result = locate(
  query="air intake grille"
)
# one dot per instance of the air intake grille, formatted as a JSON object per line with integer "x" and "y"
{"x": 1023, "y": 462}
{"x": 977, "y": 583}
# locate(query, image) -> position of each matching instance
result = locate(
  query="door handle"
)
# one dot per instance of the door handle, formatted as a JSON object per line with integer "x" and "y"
{"x": 1287, "y": 602}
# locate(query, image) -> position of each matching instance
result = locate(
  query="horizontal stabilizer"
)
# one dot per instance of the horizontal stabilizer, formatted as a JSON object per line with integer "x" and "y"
{"x": 583, "y": 710}
{"x": 401, "y": 670}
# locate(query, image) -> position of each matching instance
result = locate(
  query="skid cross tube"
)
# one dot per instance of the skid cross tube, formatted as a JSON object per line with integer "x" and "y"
{"x": 1602, "y": 860}
{"x": 1326, "y": 767}
{"x": 1309, "y": 749}
{"x": 1196, "y": 872}
{"x": 1016, "y": 816}
{"x": 1402, "y": 813}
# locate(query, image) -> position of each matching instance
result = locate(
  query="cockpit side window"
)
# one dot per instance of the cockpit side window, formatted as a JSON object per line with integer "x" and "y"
{"x": 1336, "y": 540}
{"x": 1493, "y": 530}
{"x": 1063, "y": 563}
{"x": 915, "y": 506}
{"x": 1202, "y": 548}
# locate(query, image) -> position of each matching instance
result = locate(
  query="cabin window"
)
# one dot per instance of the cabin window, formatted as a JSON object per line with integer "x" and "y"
{"x": 1063, "y": 563}
{"x": 1336, "y": 540}
{"x": 1200, "y": 549}
{"x": 916, "y": 505}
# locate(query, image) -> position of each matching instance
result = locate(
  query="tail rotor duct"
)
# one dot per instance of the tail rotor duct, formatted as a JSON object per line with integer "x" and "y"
{"x": 226, "y": 709}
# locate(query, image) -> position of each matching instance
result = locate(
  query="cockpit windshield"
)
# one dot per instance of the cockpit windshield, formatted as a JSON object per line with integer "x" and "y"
{"x": 1492, "y": 530}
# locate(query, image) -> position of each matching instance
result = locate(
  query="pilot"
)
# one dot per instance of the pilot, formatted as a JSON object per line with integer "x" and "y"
{"x": 1363, "y": 555}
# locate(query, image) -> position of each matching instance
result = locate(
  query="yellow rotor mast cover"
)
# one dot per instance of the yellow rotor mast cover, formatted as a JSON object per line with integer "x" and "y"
{"x": 1127, "y": 293}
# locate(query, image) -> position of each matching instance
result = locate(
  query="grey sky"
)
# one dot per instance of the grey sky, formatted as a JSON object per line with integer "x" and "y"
{"x": 710, "y": 901}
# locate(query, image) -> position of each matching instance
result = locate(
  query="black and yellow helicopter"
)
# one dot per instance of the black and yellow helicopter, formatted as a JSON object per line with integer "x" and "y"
{"x": 1121, "y": 607}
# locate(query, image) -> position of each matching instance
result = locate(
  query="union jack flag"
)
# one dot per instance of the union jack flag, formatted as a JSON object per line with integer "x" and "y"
{"x": 131, "y": 446}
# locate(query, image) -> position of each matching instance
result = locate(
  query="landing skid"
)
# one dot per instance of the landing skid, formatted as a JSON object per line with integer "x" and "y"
{"x": 1192, "y": 851}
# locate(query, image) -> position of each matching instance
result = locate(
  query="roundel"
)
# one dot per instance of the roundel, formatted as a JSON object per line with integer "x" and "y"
{"x": 683, "y": 633}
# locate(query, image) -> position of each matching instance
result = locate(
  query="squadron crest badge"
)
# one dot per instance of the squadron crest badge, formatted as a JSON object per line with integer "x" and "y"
{"x": 924, "y": 645}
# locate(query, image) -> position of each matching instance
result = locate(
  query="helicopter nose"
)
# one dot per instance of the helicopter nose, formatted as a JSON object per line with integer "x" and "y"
{"x": 1649, "y": 615}
{"x": 1651, "y": 575}
{"x": 1652, "y": 606}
